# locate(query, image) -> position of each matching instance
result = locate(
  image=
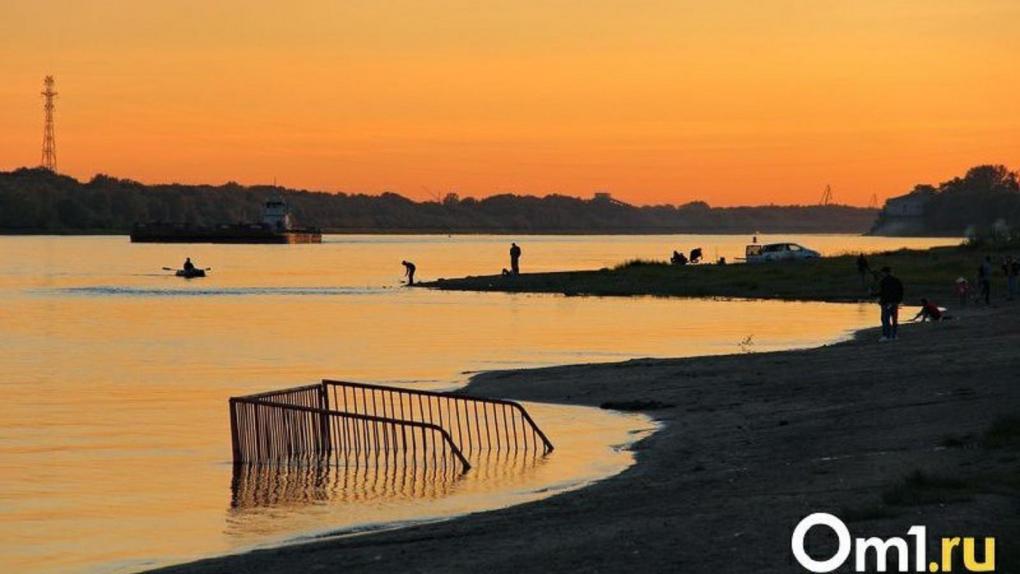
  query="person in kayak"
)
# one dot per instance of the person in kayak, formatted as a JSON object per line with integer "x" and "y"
{"x": 188, "y": 265}
{"x": 409, "y": 269}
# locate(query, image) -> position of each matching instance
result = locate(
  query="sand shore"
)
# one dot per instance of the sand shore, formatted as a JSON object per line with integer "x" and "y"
{"x": 752, "y": 444}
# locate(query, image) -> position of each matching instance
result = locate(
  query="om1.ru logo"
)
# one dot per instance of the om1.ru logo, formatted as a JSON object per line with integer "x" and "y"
{"x": 880, "y": 549}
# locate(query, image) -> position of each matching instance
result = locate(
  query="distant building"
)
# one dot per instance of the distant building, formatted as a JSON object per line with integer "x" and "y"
{"x": 909, "y": 205}
{"x": 904, "y": 214}
{"x": 606, "y": 198}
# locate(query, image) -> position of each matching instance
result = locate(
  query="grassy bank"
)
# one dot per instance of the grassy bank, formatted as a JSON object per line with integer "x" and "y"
{"x": 925, "y": 273}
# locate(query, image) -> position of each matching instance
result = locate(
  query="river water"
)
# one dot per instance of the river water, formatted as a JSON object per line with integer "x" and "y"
{"x": 114, "y": 443}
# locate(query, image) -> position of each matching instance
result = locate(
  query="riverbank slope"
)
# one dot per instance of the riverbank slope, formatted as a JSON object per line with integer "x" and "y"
{"x": 884, "y": 435}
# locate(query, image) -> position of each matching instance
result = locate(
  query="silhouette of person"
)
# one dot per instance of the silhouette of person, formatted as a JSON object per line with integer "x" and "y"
{"x": 929, "y": 312}
{"x": 678, "y": 258}
{"x": 515, "y": 259}
{"x": 188, "y": 265}
{"x": 862, "y": 269}
{"x": 962, "y": 288}
{"x": 409, "y": 269}
{"x": 696, "y": 255}
{"x": 985, "y": 279}
{"x": 890, "y": 295}
{"x": 1011, "y": 266}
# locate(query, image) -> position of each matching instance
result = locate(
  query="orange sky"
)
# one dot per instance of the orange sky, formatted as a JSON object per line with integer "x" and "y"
{"x": 655, "y": 101}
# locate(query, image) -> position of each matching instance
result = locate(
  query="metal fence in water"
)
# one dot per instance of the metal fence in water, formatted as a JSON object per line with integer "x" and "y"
{"x": 474, "y": 423}
{"x": 343, "y": 422}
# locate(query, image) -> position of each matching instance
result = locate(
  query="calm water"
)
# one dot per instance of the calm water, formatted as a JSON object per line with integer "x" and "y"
{"x": 114, "y": 448}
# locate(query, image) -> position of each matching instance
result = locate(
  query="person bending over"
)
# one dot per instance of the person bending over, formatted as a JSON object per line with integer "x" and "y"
{"x": 409, "y": 271}
{"x": 929, "y": 312}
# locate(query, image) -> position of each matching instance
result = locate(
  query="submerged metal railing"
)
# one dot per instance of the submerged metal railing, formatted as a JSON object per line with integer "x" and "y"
{"x": 343, "y": 421}
{"x": 475, "y": 423}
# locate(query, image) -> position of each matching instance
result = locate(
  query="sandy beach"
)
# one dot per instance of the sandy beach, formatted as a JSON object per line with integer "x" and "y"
{"x": 751, "y": 443}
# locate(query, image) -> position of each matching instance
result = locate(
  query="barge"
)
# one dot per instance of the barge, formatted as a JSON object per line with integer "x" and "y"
{"x": 275, "y": 227}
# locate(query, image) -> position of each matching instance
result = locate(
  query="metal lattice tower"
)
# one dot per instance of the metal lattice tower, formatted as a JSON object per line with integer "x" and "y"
{"x": 49, "y": 146}
{"x": 827, "y": 195}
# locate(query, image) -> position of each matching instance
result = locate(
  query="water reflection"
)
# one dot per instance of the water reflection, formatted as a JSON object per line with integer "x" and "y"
{"x": 136, "y": 376}
{"x": 365, "y": 481}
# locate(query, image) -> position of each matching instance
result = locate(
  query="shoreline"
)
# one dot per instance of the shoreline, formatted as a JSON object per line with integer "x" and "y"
{"x": 745, "y": 449}
{"x": 505, "y": 232}
{"x": 931, "y": 272}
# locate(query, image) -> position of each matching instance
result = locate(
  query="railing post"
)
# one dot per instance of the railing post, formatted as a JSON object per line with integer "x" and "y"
{"x": 327, "y": 442}
{"x": 234, "y": 441}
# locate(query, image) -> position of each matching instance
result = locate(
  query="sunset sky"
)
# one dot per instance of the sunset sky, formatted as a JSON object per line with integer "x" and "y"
{"x": 732, "y": 102}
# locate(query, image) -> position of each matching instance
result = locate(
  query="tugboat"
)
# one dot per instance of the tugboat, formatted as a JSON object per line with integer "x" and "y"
{"x": 275, "y": 227}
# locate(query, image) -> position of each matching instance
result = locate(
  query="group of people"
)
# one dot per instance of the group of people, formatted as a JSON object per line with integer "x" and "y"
{"x": 890, "y": 297}
{"x": 679, "y": 258}
{"x": 890, "y": 291}
{"x": 515, "y": 265}
{"x": 1010, "y": 268}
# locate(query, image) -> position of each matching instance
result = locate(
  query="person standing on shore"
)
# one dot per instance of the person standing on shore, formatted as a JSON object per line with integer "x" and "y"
{"x": 515, "y": 259}
{"x": 863, "y": 269}
{"x": 962, "y": 288}
{"x": 890, "y": 295}
{"x": 985, "y": 279}
{"x": 409, "y": 269}
{"x": 1012, "y": 269}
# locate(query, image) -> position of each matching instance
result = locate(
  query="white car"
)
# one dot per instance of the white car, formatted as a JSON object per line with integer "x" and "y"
{"x": 779, "y": 252}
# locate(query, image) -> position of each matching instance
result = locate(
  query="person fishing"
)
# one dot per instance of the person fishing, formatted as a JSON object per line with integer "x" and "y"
{"x": 188, "y": 265}
{"x": 409, "y": 269}
{"x": 515, "y": 259}
{"x": 890, "y": 295}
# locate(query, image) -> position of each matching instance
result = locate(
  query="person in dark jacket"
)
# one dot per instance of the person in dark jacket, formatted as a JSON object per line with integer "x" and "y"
{"x": 188, "y": 265}
{"x": 515, "y": 259}
{"x": 890, "y": 295}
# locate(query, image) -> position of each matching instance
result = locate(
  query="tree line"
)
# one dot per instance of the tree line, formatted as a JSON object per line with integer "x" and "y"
{"x": 984, "y": 201}
{"x": 35, "y": 200}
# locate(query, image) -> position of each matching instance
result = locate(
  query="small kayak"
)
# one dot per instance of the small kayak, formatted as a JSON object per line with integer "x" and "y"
{"x": 190, "y": 273}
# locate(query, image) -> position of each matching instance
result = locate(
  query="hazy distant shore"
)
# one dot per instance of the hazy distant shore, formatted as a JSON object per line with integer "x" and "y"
{"x": 487, "y": 231}
{"x": 751, "y": 444}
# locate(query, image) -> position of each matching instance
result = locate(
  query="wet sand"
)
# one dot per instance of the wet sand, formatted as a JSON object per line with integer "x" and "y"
{"x": 751, "y": 444}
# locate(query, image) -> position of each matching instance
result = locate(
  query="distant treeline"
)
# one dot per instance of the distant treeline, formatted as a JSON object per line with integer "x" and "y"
{"x": 986, "y": 200}
{"x": 39, "y": 201}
